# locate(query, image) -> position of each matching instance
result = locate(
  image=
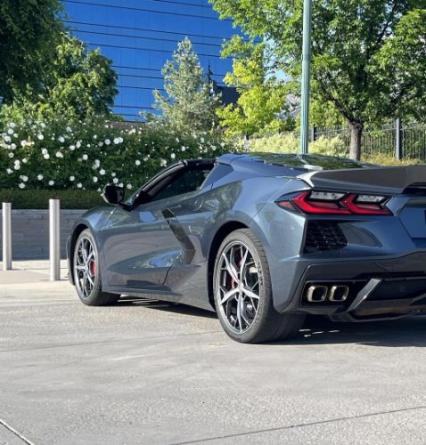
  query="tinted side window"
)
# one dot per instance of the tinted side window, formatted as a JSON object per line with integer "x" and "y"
{"x": 186, "y": 182}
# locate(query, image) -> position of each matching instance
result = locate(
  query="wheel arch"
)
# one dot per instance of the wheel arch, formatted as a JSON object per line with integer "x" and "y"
{"x": 219, "y": 236}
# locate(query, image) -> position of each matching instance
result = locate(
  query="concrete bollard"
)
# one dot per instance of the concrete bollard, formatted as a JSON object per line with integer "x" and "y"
{"x": 54, "y": 239}
{"x": 7, "y": 235}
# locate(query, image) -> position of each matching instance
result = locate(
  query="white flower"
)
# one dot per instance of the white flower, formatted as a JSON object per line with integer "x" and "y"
{"x": 72, "y": 147}
{"x": 61, "y": 139}
{"x": 10, "y": 131}
{"x": 107, "y": 142}
{"x": 79, "y": 185}
{"x": 69, "y": 129}
{"x": 163, "y": 162}
{"x": 95, "y": 179}
{"x": 51, "y": 183}
{"x": 40, "y": 137}
{"x": 100, "y": 144}
{"x": 177, "y": 140}
{"x": 202, "y": 140}
{"x": 129, "y": 186}
{"x": 9, "y": 171}
{"x": 59, "y": 154}
{"x": 95, "y": 136}
{"x": 172, "y": 156}
{"x": 44, "y": 151}
{"x": 24, "y": 160}
{"x": 21, "y": 185}
{"x": 46, "y": 156}
{"x": 40, "y": 177}
{"x": 146, "y": 158}
{"x": 43, "y": 125}
{"x": 11, "y": 155}
{"x": 183, "y": 148}
{"x": 137, "y": 162}
{"x": 85, "y": 157}
{"x": 17, "y": 166}
{"x": 102, "y": 171}
{"x": 113, "y": 174}
{"x": 222, "y": 144}
{"x": 115, "y": 180}
{"x": 12, "y": 146}
{"x": 7, "y": 138}
{"x": 24, "y": 178}
{"x": 78, "y": 144}
{"x": 11, "y": 124}
{"x": 117, "y": 141}
{"x": 72, "y": 178}
{"x": 120, "y": 185}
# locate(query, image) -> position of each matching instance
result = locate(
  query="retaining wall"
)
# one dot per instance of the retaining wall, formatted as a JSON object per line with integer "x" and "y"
{"x": 30, "y": 233}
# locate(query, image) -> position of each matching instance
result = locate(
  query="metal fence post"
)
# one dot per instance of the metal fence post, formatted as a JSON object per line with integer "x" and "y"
{"x": 7, "y": 235}
{"x": 54, "y": 239}
{"x": 399, "y": 148}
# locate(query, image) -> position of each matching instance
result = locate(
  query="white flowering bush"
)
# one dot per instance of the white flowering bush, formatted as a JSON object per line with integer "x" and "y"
{"x": 86, "y": 155}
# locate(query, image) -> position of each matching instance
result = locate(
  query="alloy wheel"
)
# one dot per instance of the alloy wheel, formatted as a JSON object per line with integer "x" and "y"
{"x": 85, "y": 267}
{"x": 238, "y": 286}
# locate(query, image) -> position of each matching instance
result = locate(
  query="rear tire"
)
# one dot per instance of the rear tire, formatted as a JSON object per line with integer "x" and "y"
{"x": 86, "y": 271}
{"x": 243, "y": 292}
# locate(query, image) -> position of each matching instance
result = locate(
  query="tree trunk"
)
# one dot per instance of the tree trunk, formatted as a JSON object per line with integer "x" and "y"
{"x": 356, "y": 135}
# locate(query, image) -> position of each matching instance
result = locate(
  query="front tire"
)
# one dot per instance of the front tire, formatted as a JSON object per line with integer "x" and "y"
{"x": 243, "y": 292}
{"x": 86, "y": 270}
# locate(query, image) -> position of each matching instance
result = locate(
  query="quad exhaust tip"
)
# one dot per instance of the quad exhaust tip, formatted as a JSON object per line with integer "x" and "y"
{"x": 319, "y": 293}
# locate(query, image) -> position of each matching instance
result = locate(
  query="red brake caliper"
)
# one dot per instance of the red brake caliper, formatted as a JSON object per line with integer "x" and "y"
{"x": 93, "y": 268}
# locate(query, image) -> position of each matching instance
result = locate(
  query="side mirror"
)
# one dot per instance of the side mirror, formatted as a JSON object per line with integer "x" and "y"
{"x": 112, "y": 194}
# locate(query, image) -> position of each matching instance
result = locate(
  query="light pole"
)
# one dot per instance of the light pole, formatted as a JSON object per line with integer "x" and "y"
{"x": 306, "y": 76}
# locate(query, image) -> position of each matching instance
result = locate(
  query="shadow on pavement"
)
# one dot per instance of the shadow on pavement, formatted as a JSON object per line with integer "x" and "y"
{"x": 403, "y": 332}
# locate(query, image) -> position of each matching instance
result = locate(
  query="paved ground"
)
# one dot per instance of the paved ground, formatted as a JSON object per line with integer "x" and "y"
{"x": 151, "y": 373}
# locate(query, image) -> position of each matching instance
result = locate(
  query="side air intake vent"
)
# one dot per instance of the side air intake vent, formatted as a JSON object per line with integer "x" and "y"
{"x": 324, "y": 235}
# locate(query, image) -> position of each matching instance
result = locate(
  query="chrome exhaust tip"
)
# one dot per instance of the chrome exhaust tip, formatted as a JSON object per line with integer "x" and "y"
{"x": 316, "y": 293}
{"x": 338, "y": 294}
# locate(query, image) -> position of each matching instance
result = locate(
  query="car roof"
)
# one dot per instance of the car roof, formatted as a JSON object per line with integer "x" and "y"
{"x": 291, "y": 163}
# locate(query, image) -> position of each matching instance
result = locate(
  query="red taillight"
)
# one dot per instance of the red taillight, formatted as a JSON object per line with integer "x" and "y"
{"x": 332, "y": 203}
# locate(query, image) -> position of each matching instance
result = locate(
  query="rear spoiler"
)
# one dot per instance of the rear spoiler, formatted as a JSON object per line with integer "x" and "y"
{"x": 388, "y": 180}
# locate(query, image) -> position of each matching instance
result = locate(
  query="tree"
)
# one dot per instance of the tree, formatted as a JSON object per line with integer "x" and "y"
{"x": 368, "y": 56}
{"x": 262, "y": 98}
{"x": 75, "y": 84}
{"x": 27, "y": 30}
{"x": 190, "y": 102}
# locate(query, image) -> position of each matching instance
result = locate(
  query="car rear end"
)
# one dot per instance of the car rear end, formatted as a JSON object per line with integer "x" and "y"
{"x": 350, "y": 244}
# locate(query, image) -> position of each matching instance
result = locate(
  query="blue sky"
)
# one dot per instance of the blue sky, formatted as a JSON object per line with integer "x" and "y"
{"x": 140, "y": 35}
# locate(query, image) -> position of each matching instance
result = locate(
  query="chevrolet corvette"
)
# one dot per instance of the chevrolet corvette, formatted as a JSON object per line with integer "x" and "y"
{"x": 263, "y": 239}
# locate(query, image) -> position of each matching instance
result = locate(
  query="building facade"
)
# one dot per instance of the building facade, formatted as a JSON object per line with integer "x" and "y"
{"x": 139, "y": 36}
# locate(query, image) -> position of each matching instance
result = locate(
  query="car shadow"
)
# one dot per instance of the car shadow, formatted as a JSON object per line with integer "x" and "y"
{"x": 403, "y": 332}
{"x": 317, "y": 330}
{"x": 166, "y": 306}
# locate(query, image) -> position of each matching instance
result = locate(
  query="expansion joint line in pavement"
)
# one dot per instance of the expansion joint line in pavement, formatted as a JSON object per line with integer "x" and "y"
{"x": 15, "y": 432}
{"x": 299, "y": 425}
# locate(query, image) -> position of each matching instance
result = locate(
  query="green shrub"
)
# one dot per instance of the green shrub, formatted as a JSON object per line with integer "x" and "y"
{"x": 39, "y": 199}
{"x": 85, "y": 155}
{"x": 289, "y": 143}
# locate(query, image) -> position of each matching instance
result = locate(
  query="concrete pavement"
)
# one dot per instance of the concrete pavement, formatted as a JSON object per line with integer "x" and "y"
{"x": 144, "y": 372}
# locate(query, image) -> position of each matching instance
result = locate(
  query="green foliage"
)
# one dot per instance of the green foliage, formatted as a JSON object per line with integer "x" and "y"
{"x": 262, "y": 98}
{"x": 58, "y": 153}
{"x": 27, "y": 31}
{"x": 190, "y": 102}
{"x": 70, "y": 199}
{"x": 289, "y": 143}
{"x": 368, "y": 56}
{"x": 77, "y": 84}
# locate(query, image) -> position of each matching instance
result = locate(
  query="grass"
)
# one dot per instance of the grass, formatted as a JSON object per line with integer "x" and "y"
{"x": 39, "y": 199}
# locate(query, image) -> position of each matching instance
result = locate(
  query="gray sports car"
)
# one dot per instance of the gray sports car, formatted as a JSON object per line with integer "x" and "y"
{"x": 263, "y": 240}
